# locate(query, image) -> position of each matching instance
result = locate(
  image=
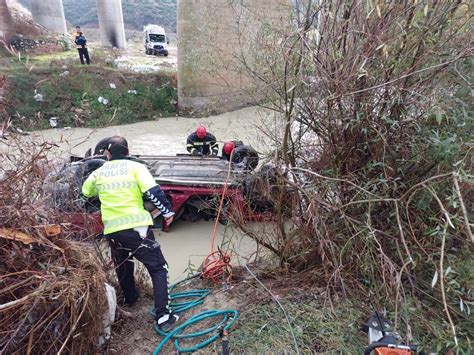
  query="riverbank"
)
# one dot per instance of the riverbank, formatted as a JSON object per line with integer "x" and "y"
{"x": 262, "y": 327}
{"x": 57, "y": 94}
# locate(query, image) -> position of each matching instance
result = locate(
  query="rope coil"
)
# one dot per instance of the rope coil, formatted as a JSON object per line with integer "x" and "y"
{"x": 217, "y": 263}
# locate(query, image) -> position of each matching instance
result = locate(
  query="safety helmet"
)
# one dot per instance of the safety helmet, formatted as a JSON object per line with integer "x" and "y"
{"x": 201, "y": 132}
{"x": 229, "y": 147}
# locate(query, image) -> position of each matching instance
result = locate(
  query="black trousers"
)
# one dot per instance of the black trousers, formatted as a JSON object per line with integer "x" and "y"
{"x": 127, "y": 244}
{"x": 84, "y": 53}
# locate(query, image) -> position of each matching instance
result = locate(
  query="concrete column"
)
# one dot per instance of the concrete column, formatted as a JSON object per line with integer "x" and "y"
{"x": 49, "y": 14}
{"x": 112, "y": 30}
{"x": 7, "y": 28}
{"x": 220, "y": 46}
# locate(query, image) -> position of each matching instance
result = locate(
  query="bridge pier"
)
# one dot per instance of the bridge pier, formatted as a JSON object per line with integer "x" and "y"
{"x": 49, "y": 14}
{"x": 218, "y": 48}
{"x": 7, "y": 28}
{"x": 112, "y": 30}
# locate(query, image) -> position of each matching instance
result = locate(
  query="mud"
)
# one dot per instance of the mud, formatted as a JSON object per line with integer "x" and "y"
{"x": 135, "y": 59}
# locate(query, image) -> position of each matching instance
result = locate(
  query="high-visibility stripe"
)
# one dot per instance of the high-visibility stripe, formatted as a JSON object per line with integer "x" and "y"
{"x": 117, "y": 185}
{"x": 127, "y": 220}
{"x": 157, "y": 202}
{"x": 168, "y": 304}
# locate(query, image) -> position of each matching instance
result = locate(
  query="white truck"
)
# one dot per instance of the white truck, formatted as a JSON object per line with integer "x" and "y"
{"x": 155, "y": 40}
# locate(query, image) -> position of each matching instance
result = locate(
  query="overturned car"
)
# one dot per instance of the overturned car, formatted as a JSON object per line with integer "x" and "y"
{"x": 192, "y": 184}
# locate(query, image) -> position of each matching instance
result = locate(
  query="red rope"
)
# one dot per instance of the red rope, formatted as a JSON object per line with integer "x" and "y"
{"x": 216, "y": 266}
{"x": 217, "y": 263}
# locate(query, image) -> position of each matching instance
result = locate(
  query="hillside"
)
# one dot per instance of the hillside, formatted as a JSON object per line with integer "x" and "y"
{"x": 136, "y": 13}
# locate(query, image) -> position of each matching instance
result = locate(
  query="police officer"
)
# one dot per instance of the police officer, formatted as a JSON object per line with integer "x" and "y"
{"x": 202, "y": 143}
{"x": 121, "y": 185}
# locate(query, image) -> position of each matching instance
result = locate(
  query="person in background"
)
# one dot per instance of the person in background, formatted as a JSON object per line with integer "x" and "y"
{"x": 81, "y": 44}
{"x": 202, "y": 142}
{"x": 121, "y": 185}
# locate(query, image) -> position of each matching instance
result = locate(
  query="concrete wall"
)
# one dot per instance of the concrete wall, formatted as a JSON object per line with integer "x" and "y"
{"x": 7, "y": 28}
{"x": 219, "y": 45}
{"x": 112, "y": 30}
{"x": 50, "y": 14}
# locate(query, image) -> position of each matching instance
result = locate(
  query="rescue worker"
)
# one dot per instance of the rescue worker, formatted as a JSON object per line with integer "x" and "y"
{"x": 202, "y": 143}
{"x": 228, "y": 147}
{"x": 243, "y": 156}
{"x": 81, "y": 44}
{"x": 121, "y": 185}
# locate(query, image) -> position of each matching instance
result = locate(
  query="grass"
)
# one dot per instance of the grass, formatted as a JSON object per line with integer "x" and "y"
{"x": 264, "y": 329}
{"x": 319, "y": 328}
{"x": 71, "y": 91}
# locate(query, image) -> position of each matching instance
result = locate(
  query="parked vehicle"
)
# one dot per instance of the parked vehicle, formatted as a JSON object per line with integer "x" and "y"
{"x": 155, "y": 40}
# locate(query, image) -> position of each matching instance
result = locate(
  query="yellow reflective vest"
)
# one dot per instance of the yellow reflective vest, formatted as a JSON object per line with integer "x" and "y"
{"x": 120, "y": 185}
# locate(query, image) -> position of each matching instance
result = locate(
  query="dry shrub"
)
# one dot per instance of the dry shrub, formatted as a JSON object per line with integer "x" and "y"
{"x": 52, "y": 287}
{"x": 377, "y": 140}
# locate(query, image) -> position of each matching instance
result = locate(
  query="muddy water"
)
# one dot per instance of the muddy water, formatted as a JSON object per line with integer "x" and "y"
{"x": 168, "y": 135}
{"x": 186, "y": 245}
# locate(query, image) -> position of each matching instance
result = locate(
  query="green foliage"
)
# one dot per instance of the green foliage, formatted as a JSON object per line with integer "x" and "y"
{"x": 377, "y": 142}
{"x": 136, "y": 13}
{"x": 263, "y": 329}
{"x": 73, "y": 98}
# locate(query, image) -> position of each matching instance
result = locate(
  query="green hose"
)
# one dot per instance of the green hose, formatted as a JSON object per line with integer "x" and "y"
{"x": 229, "y": 316}
{"x": 197, "y": 297}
